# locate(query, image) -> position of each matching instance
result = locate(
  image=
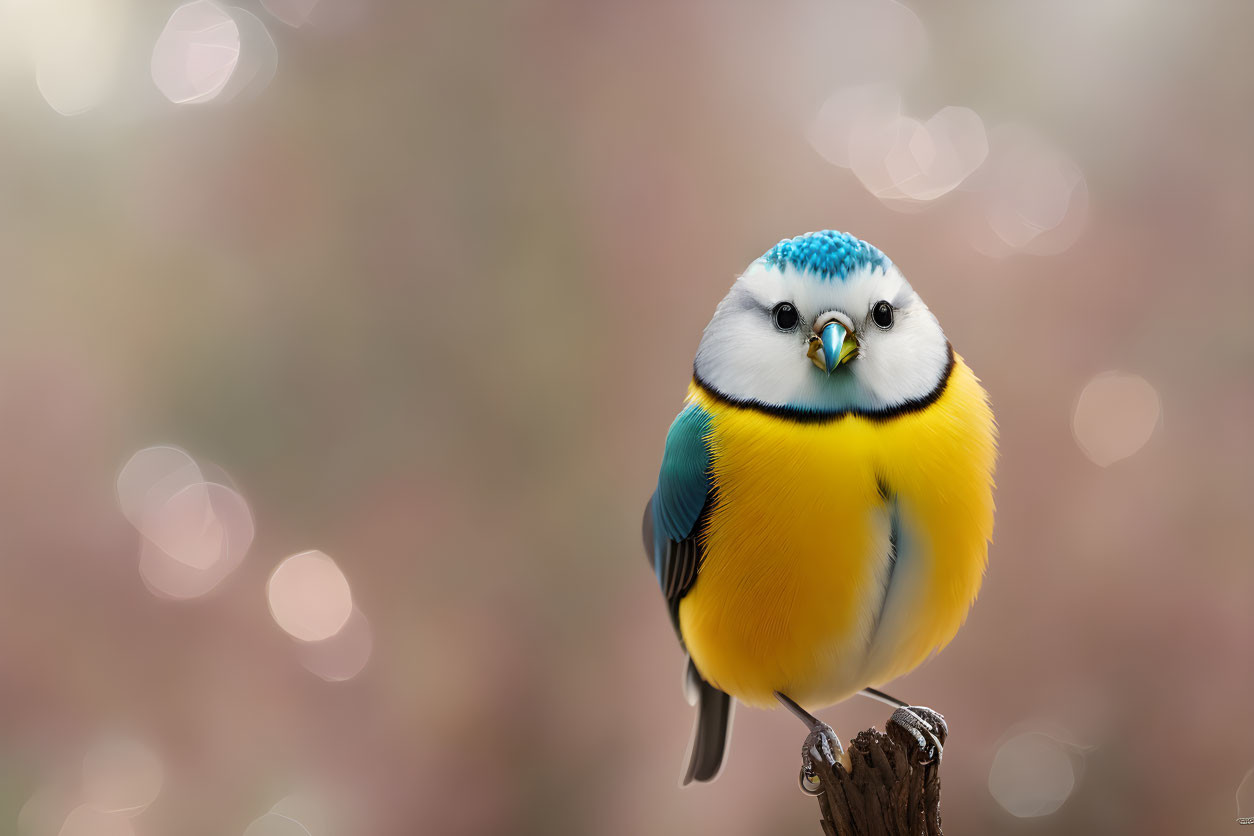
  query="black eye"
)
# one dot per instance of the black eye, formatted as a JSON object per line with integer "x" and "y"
{"x": 786, "y": 317}
{"x": 882, "y": 314}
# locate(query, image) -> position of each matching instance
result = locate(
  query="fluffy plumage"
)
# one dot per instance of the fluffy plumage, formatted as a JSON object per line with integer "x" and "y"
{"x": 745, "y": 357}
{"x": 817, "y": 532}
{"x": 802, "y": 588}
{"x": 827, "y": 254}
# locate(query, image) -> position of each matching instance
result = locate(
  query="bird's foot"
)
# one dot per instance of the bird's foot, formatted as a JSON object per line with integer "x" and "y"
{"x": 925, "y": 728}
{"x": 821, "y": 744}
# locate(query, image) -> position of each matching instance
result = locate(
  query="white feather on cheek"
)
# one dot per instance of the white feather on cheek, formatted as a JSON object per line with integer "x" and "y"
{"x": 743, "y": 354}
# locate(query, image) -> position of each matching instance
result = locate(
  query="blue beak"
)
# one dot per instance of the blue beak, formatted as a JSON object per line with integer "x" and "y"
{"x": 833, "y": 345}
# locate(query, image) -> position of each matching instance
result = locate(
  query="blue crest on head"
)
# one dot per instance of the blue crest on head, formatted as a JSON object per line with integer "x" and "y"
{"x": 828, "y": 254}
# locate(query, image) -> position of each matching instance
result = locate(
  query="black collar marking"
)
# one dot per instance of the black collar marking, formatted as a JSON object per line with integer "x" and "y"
{"x": 820, "y": 416}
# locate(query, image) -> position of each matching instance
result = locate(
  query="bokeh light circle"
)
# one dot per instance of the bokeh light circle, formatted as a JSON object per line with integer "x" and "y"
{"x": 309, "y": 596}
{"x": 1114, "y": 416}
{"x": 151, "y": 477}
{"x": 899, "y": 159}
{"x": 187, "y": 528}
{"x": 294, "y": 13}
{"x": 196, "y": 53}
{"x": 1032, "y": 775}
{"x": 342, "y": 656}
{"x": 276, "y": 824}
{"x": 199, "y": 537}
{"x": 852, "y": 111}
{"x": 121, "y": 776}
{"x": 258, "y": 57}
{"x": 196, "y": 532}
{"x": 1033, "y": 197}
{"x": 45, "y": 811}
{"x": 76, "y": 47}
{"x": 907, "y": 160}
{"x": 308, "y": 809}
{"x": 87, "y": 820}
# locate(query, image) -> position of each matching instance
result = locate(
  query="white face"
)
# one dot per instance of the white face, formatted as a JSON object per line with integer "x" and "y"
{"x": 746, "y": 356}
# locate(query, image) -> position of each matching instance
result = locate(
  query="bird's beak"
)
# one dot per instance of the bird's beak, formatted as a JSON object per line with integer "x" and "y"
{"x": 832, "y": 347}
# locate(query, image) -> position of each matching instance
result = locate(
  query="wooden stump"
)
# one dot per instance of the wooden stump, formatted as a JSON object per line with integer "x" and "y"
{"x": 887, "y": 791}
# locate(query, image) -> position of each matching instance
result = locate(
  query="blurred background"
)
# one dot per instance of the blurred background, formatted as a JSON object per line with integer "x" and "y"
{"x": 339, "y": 340}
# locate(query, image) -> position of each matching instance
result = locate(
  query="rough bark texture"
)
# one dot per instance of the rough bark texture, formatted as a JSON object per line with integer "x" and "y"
{"x": 887, "y": 791}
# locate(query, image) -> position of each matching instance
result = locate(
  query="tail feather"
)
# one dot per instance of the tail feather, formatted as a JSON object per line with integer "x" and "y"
{"x": 712, "y": 730}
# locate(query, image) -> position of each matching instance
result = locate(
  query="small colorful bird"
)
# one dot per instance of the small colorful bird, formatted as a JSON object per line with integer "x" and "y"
{"x": 823, "y": 512}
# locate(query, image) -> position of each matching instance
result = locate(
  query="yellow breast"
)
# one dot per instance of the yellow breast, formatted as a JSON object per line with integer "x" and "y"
{"x": 794, "y": 593}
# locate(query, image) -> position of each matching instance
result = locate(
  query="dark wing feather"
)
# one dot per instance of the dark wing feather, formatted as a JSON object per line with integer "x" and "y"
{"x": 674, "y": 520}
{"x": 676, "y": 563}
{"x": 711, "y": 732}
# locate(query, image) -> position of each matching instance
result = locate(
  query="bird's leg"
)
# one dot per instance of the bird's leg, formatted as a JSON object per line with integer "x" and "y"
{"x": 820, "y": 743}
{"x": 926, "y": 727}
{"x": 887, "y": 699}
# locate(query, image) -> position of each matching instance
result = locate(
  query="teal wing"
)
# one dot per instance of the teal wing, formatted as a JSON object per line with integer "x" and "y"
{"x": 674, "y": 515}
{"x": 673, "y": 519}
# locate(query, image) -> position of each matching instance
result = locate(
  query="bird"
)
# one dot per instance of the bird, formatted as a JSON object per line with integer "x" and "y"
{"x": 824, "y": 505}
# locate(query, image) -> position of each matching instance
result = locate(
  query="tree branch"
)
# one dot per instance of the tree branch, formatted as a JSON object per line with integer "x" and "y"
{"x": 888, "y": 790}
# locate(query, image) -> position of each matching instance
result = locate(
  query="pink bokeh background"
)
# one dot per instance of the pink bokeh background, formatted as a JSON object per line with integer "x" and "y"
{"x": 430, "y": 295}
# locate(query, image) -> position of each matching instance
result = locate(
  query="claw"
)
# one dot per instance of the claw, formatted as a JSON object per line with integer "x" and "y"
{"x": 821, "y": 744}
{"x": 926, "y": 727}
{"x": 809, "y": 783}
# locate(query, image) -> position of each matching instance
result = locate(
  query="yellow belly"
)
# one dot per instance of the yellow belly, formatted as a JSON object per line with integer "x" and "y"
{"x": 791, "y": 593}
